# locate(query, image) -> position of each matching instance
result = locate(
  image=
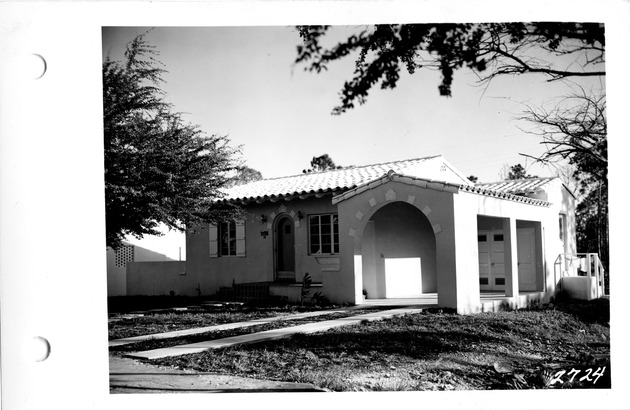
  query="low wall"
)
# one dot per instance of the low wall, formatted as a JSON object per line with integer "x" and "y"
{"x": 293, "y": 291}
{"x": 579, "y": 287}
{"x": 519, "y": 302}
{"x": 116, "y": 276}
{"x": 159, "y": 278}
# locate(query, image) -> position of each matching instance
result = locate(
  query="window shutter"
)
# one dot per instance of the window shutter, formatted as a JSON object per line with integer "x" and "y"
{"x": 240, "y": 238}
{"x": 214, "y": 244}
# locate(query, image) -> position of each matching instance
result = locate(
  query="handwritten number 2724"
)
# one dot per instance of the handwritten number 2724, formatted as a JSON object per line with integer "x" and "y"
{"x": 557, "y": 378}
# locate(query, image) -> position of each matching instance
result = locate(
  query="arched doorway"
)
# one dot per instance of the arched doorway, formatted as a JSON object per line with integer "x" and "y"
{"x": 398, "y": 253}
{"x": 285, "y": 249}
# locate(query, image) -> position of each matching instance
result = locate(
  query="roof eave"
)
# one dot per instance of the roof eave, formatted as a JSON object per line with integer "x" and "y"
{"x": 286, "y": 197}
{"x": 404, "y": 179}
{"x": 435, "y": 185}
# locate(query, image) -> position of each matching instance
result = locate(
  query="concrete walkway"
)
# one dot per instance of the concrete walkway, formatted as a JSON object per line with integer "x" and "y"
{"x": 270, "y": 334}
{"x": 226, "y": 326}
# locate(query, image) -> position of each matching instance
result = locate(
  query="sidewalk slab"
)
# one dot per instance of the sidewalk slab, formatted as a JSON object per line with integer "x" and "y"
{"x": 225, "y": 326}
{"x": 270, "y": 334}
{"x": 129, "y": 376}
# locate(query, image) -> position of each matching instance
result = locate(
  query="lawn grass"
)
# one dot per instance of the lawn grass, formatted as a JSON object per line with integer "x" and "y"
{"x": 433, "y": 351}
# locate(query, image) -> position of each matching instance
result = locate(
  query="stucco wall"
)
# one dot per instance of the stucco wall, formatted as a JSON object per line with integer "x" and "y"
{"x": 453, "y": 218}
{"x": 159, "y": 278}
{"x": 580, "y": 287}
{"x": 548, "y": 218}
{"x": 258, "y": 263}
{"x": 116, "y": 276}
{"x": 458, "y": 284}
{"x": 141, "y": 254}
{"x": 355, "y": 213}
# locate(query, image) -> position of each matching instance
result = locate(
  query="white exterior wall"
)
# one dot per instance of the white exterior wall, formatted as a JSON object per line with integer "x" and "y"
{"x": 453, "y": 216}
{"x": 354, "y": 216}
{"x": 159, "y": 278}
{"x": 547, "y": 216}
{"x": 118, "y": 276}
{"x": 462, "y": 291}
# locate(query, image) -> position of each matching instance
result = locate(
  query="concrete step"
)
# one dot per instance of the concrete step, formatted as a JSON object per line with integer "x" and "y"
{"x": 270, "y": 334}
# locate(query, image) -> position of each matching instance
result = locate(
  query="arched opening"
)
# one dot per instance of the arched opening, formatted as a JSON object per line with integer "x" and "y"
{"x": 285, "y": 249}
{"x": 398, "y": 253}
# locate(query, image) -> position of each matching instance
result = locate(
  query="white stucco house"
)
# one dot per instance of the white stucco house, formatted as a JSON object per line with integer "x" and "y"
{"x": 400, "y": 229}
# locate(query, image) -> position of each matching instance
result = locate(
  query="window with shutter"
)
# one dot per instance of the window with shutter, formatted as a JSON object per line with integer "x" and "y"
{"x": 214, "y": 244}
{"x": 227, "y": 239}
{"x": 240, "y": 238}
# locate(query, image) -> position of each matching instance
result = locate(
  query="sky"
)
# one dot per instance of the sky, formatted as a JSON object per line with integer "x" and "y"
{"x": 242, "y": 82}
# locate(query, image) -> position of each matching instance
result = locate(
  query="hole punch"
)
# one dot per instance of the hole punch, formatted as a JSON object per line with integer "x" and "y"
{"x": 37, "y": 66}
{"x": 39, "y": 349}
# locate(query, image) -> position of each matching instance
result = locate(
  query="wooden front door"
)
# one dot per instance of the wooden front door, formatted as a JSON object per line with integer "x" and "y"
{"x": 491, "y": 260}
{"x": 285, "y": 250}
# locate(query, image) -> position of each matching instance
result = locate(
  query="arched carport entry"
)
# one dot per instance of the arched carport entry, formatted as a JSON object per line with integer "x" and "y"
{"x": 432, "y": 205}
{"x": 398, "y": 253}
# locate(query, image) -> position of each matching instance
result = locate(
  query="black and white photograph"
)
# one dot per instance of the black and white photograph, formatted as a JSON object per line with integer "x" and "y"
{"x": 374, "y": 208}
{"x": 356, "y": 200}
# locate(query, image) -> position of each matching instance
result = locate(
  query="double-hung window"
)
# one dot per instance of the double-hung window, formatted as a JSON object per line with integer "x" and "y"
{"x": 323, "y": 234}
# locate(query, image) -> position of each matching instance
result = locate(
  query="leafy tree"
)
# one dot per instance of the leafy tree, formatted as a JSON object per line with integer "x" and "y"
{"x": 158, "y": 170}
{"x": 489, "y": 49}
{"x": 514, "y": 172}
{"x": 245, "y": 175}
{"x": 321, "y": 163}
